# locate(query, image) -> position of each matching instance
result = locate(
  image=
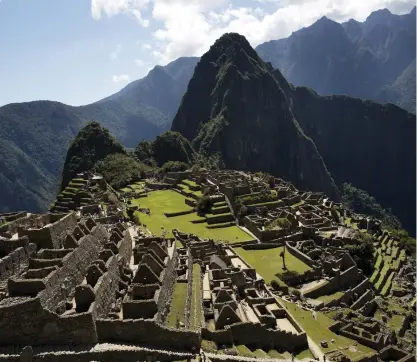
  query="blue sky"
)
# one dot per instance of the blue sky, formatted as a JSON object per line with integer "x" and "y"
{"x": 79, "y": 51}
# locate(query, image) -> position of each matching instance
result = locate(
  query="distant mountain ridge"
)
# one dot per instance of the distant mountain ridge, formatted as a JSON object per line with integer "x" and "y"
{"x": 238, "y": 106}
{"x": 35, "y": 136}
{"x": 374, "y": 59}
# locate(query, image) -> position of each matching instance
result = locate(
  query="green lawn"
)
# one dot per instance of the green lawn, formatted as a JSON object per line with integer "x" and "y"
{"x": 318, "y": 330}
{"x": 268, "y": 262}
{"x": 329, "y": 298}
{"x": 162, "y": 201}
{"x": 177, "y": 312}
{"x": 195, "y": 313}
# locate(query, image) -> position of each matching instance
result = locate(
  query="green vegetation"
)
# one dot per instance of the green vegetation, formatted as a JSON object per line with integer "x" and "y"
{"x": 318, "y": 330}
{"x": 330, "y": 297}
{"x": 169, "y": 146}
{"x": 281, "y": 223}
{"x": 92, "y": 144}
{"x": 208, "y": 346}
{"x": 256, "y": 198}
{"x": 361, "y": 202}
{"x": 166, "y": 201}
{"x": 196, "y": 312}
{"x": 268, "y": 262}
{"x": 174, "y": 166}
{"x": 120, "y": 170}
{"x": 405, "y": 240}
{"x": 363, "y": 253}
{"x": 204, "y": 204}
{"x": 177, "y": 312}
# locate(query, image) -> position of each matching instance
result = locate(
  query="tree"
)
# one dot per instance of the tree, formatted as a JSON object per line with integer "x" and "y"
{"x": 282, "y": 255}
{"x": 204, "y": 204}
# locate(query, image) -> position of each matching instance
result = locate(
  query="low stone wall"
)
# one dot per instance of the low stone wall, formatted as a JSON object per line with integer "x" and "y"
{"x": 8, "y": 245}
{"x": 363, "y": 299}
{"x": 16, "y": 262}
{"x": 261, "y": 246}
{"x": 306, "y": 277}
{"x": 147, "y": 332}
{"x": 347, "y": 278}
{"x": 261, "y": 337}
{"x": 107, "y": 352}
{"x": 376, "y": 344}
{"x": 41, "y": 327}
{"x": 222, "y": 336}
{"x": 179, "y": 213}
{"x": 404, "y": 325}
{"x": 300, "y": 255}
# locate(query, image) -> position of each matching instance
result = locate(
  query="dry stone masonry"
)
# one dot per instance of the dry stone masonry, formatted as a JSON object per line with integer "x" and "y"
{"x": 86, "y": 282}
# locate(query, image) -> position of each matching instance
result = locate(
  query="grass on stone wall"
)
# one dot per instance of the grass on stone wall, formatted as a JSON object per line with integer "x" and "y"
{"x": 196, "y": 313}
{"x": 268, "y": 262}
{"x": 166, "y": 201}
{"x": 177, "y": 312}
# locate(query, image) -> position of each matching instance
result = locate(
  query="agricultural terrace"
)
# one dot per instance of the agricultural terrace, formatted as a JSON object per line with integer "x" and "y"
{"x": 318, "y": 329}
{"x": 169, "y": 201}
{"x": 389, "y": 258}
{"x": 268, "y": 262}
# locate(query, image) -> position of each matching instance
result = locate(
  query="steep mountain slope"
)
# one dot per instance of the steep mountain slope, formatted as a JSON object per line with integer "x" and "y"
{"x": 36, "y": 135}
{"x": 365, "y": 143}
{"x": 359, "y": 59}
{"x": 34, "y": 138}
{"x": 92, "y": 144}
{"x": 239, "y": 106}
{"x": 235, "y": 106}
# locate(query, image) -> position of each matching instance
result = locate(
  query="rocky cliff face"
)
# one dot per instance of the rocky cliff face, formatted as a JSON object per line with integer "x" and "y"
{"x": 365, "y": 143}
{"x": 235, "y": 106}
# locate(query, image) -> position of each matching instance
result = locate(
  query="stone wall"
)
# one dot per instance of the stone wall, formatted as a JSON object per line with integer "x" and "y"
{"x": 106, "y": 288}
{"x": 52, "y": 235}
{"x": 125, "y": 246}
{"x": 73, "y": 269}
{"x": 261, "y": 337}
{"x": 300, "y": 255}
{"x": 16, "y": 262}
{"x": 165, "y": 294}
{"x": 25, "y": 321}
{"x": 347, "y": 278}
{"x": 147, "y": 332}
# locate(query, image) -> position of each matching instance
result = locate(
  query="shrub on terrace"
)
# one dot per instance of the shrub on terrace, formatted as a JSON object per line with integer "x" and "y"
{"x": 174, "y": 166}
{"x": 204, "y": 204}
{"x": 406, "y": 241}
{"x": 120, "y": 170}
{"x": 362, "y": 254}
{"x": 282, "y": 223}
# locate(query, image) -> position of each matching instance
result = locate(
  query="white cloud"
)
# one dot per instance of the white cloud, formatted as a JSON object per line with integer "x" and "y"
{"x": 122, "y": 78}
{"x": 114, "y": 7}
{"x": 140, "y": 62}
{"x": 115, "y": 53}
{"x": 189, "y": 27}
